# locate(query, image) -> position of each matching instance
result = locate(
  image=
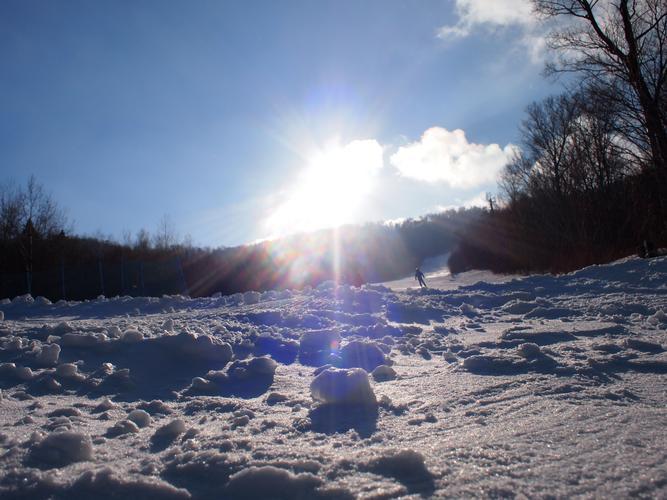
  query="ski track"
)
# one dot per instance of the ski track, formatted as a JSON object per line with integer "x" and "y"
{"x": 542, "y": 386}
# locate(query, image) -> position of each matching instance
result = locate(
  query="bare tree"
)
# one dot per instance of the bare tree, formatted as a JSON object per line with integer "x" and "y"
{"x": 620, "y": 45}
{"x": 165, "y": 235}
{"x": 515, "y": 178}
{"x": 12, "y": 211}
{"x": 142, "y": 240}
{"x": 547, "y": 132}
{"x": 18, "y": 206}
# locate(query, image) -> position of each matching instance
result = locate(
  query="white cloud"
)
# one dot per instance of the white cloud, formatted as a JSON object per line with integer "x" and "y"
{"x": 492, "y": 14}
{"x": 476, "y": 201}
{"x": 473, "y": 13}
{"x": 444, "y": 156}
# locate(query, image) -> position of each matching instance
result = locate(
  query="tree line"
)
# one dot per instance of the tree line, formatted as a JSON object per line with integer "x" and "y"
{"x": 40, "y": 254}
{"x": 589, "y": 183}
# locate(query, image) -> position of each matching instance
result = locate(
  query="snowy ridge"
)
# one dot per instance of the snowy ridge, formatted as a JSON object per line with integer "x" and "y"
{"x": 540, "y": 386}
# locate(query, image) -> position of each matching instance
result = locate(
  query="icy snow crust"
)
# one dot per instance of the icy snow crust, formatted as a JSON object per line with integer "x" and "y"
{"x": 543, "y": 386}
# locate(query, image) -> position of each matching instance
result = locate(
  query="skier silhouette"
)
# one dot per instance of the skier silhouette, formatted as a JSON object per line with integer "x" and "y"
{"x": 420, "y": 277}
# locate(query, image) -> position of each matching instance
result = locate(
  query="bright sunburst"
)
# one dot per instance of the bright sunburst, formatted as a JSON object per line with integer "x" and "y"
{"x": 330, "y": 189}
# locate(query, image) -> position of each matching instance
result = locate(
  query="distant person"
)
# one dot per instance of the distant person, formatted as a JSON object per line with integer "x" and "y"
{"x": 420, "y": 277}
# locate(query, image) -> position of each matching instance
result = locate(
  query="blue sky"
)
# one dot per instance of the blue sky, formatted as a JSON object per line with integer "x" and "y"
{"x": 245, "y": 120}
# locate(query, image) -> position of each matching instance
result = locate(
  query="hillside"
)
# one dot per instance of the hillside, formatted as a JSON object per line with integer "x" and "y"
{"x": 540, "y": 386}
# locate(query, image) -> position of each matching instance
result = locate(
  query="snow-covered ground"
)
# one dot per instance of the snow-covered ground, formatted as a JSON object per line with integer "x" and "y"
{"x": 542, "y": 387}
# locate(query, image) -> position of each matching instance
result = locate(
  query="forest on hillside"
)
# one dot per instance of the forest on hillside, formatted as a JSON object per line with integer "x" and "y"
{"x": 41, "y": 255}
{"x": 589, "y": 183}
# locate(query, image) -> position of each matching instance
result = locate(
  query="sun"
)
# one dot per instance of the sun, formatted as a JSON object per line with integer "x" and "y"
{"x": 327, "y": 193}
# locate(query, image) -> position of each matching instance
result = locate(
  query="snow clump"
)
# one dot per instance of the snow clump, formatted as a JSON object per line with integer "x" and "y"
{"x": 66, "y": 370}
{"x": 48, "y": 354}
{"x": 103, "y": 482}
{"x": 140, "y": 417}
{"x": 197, "y": 347}
{"x": 251, "y": 298}
{"x": 62, "y": 448}
{"x": 271, "y": 482}
{"x": 318, "y": 344}
{"x": 132, "y": 336}
{"x": 262, "y": 366}
{"x": 657, "y": 318}
{"x": 383, "y": 373}
{"x": 170, "y": 431}
{"x": 343, "y": 386}
{"x": 123, "y": 427}
{"x": 366, "y": 355}
{"x": 407, "y": 466}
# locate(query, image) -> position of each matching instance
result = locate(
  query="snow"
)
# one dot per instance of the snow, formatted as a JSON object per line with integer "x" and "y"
{"x": 48, "y": 354}
{"x": 383, "y": 373}
{"x": 342, "y": 386}
{"x": 361, "y": 354}
{"x": 479, "y": 386}
{"x": 61, "y": 448}
{"x": 271, "y": 482}
{"x": 140, "y": 417}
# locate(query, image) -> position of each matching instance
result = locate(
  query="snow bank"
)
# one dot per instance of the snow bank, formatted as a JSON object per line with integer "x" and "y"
{"x": 343, "y": 386}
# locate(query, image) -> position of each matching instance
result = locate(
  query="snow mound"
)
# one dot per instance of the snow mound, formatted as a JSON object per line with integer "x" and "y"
{"x": 62, "y": 448}
{"x": 131, "y": 336}
{"x": 202, "y": 347}
{"x": 250, "y": 298}
{"x": 48, "y": 354}
{"x": 207, "y": 470}
{"x": 657, "y": 318}
{"x": 140, "y": 417}
{"x": 383, "y": 373}
{"x": 407, "y": 466}
{"x": 343, "y": 386}
{"x": 486, "y": 364}
{"x": 366, "y": 355}
{"x": 529, "y": 350}
{"x": 317, "y": 345}
{"x": 271, "y": 482}
{"x": 262, "y": 366}
{"x": 168, "y": 432}
{"x": 105, "y": 484}
{"x": 122, "y": 427}
{"x": 518, "y": 307}
{"x": 67, "y": 370}
{"x": 83, "y": 340}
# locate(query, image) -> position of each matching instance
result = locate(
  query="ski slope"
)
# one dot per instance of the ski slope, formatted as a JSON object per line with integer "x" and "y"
{"x": 479, "y": 386}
